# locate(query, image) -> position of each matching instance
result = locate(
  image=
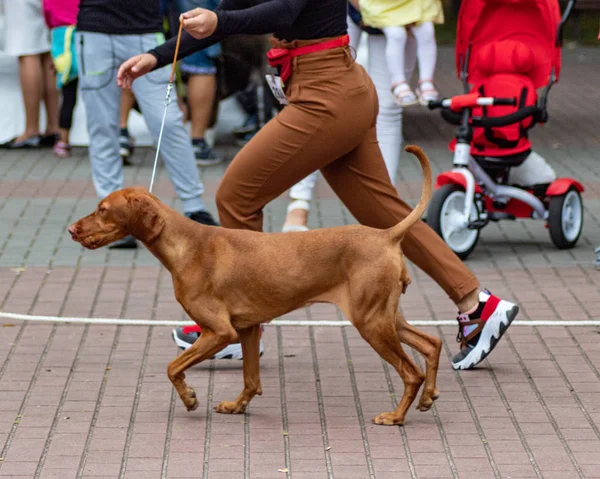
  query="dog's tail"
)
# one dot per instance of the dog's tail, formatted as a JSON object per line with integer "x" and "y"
{"x": 397, "y": 232}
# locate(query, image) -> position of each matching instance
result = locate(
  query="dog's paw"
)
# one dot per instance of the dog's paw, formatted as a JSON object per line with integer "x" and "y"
{"x": 190, "y": 400}
{"x": 425, "y": 404}
{"x": 388, "y": 419}
{"x": 226, "y": 407}
{"x": 426, "y": 400}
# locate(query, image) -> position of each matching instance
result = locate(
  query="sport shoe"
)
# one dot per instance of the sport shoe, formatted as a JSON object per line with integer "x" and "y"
{"x": 186, "y": 336}
{"x": 126, "y": 146}
{"x": 250, "y": 125}
{"x": 202, "y": 217}
{"x": 480, "y": 331}
{"x": 205, "y": 155}
{"x": 243, "y": 140}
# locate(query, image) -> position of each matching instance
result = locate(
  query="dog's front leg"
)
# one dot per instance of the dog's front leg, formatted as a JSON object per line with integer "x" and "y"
{"x": 250, "y": 339}
{"x": 208, "y": 344}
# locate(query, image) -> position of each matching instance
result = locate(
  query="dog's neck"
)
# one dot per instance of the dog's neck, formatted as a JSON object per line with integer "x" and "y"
{"x": 171, "y": 245}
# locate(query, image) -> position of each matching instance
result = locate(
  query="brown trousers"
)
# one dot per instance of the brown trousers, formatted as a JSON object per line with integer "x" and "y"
{"x": 329, "y": 125}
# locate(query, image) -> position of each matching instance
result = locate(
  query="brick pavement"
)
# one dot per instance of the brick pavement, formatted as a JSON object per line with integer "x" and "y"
{"x": 94, "y": 401}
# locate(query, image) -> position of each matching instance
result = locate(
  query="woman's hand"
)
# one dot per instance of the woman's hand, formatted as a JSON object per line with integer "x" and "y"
{"x": 355, "y": 4}
{"x": 133, "y": 68}
{"x": 199, "y": 22}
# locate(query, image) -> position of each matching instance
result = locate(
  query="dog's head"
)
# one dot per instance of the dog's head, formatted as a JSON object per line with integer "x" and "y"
{"x": 130, "y": 211}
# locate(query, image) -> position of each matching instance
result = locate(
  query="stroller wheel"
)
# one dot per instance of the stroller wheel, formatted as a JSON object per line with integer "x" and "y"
{"x": 565, "y": 219}
{"x": 445, "y": 217}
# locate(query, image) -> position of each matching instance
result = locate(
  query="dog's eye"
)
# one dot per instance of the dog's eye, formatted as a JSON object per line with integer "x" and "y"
{"x": 102, "y": 210}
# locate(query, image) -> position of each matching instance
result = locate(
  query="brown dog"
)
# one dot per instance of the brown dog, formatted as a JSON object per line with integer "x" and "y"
{"x": 230, "y": 281}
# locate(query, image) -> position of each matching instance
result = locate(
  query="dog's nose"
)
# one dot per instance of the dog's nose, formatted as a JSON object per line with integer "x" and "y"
{"x": 72, "y": 229}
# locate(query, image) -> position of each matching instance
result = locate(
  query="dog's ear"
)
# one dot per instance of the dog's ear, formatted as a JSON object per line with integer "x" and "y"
{"x": 145, "y": 220}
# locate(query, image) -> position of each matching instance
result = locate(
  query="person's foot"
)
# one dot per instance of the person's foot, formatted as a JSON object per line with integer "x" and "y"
{"x": 48, "y": 140}
{"x": 20, "y": 142}
{"x": 205, "y": 155}
{"x": 186, "y": 336}
{"x": 202, "y": 217}
{"x": 427, "y": 92}
{"x": 250, "y": 125}
{"x": 297, "y": 217}
{"x": 403, "y": 95}
{"x": 243, "y": 140}
{"x": 480, "y": 330}
{"x": 62, "y": 149}
{"x": 126, "y": 146}
{"x": 129, "y": 242}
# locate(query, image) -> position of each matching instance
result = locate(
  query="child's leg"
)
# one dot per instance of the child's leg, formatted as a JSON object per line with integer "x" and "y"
{"x": 394, "y": 53}
{"x": 426, "y": 49}
{"x": 69, "y": 99}
{"x": 395, "y": 38}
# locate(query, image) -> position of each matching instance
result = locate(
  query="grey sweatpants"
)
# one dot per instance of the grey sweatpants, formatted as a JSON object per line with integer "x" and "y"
{"x": 99, "y": 57}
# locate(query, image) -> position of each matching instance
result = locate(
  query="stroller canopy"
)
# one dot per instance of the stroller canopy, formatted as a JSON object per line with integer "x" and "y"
{"x": 532, "y": 23}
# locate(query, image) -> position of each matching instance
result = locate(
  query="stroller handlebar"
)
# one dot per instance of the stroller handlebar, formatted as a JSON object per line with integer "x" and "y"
{"x": 519, "y": 115}
{"x": 496, "y": 121}
{"x": 470, "y": 100}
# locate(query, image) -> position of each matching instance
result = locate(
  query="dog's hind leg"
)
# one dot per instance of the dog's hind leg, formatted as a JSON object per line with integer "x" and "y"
{"x": 430, "y": 347}
{"x": 380, "y": 332}
{"x": 250, "y": 339}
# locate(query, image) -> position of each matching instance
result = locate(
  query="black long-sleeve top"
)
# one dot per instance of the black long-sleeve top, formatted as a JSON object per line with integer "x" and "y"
{"x": 119, "y": 17}
{"x": 287, "y": 19}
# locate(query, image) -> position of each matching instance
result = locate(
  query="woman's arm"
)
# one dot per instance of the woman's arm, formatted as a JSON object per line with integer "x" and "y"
{"x": 234, "y": 17}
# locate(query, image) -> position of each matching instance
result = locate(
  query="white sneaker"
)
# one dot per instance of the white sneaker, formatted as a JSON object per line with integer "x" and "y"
{"x": 186, "y": 336}
{"x": 480, "y": 331}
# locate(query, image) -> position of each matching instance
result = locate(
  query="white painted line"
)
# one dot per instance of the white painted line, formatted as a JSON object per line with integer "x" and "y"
{"x": 276, "y": 322}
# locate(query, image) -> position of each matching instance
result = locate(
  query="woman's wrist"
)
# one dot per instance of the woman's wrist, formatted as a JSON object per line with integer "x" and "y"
{"x": 156, "y": 55}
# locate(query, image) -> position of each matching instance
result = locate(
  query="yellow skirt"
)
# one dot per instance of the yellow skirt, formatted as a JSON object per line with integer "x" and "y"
{"x": 399, "y": 13}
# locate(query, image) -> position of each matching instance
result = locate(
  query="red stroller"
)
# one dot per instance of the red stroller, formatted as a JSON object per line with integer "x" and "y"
{"x": 506, "y": 49}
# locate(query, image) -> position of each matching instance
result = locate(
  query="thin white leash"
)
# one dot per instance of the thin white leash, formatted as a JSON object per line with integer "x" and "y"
{"x": 167, "y": 102}
{"x": 275, "y": 322}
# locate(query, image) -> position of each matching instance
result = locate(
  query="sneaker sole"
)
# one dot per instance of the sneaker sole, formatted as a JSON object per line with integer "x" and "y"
{"x": 487, "y": 342}
{"x": 233, "y": 351}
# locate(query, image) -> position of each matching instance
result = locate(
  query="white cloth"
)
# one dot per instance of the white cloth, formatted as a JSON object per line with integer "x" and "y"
{"x": 533, "y": 171}
{"x": 424, "y": 33}
{"x": 25, "y": 31}
{"x": 389, "y": 120}
{"x": 394, "y": 53}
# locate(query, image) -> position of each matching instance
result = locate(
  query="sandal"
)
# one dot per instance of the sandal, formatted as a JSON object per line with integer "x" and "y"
{"x": 403, "y": 95}
{"x": 296, "y": 205}
{"x": 427, "y": 92}
{"x": 62, "y": 149}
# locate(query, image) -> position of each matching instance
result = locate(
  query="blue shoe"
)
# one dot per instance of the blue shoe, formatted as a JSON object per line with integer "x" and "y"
{"x": 250, "y": 125}
{"x": 202, "y": 217}
{"x": 205, "y": 155}
{"x": 126, "y": 146}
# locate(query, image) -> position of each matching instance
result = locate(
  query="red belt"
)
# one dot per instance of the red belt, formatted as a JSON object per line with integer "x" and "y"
{"x": 282, "y": 57}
